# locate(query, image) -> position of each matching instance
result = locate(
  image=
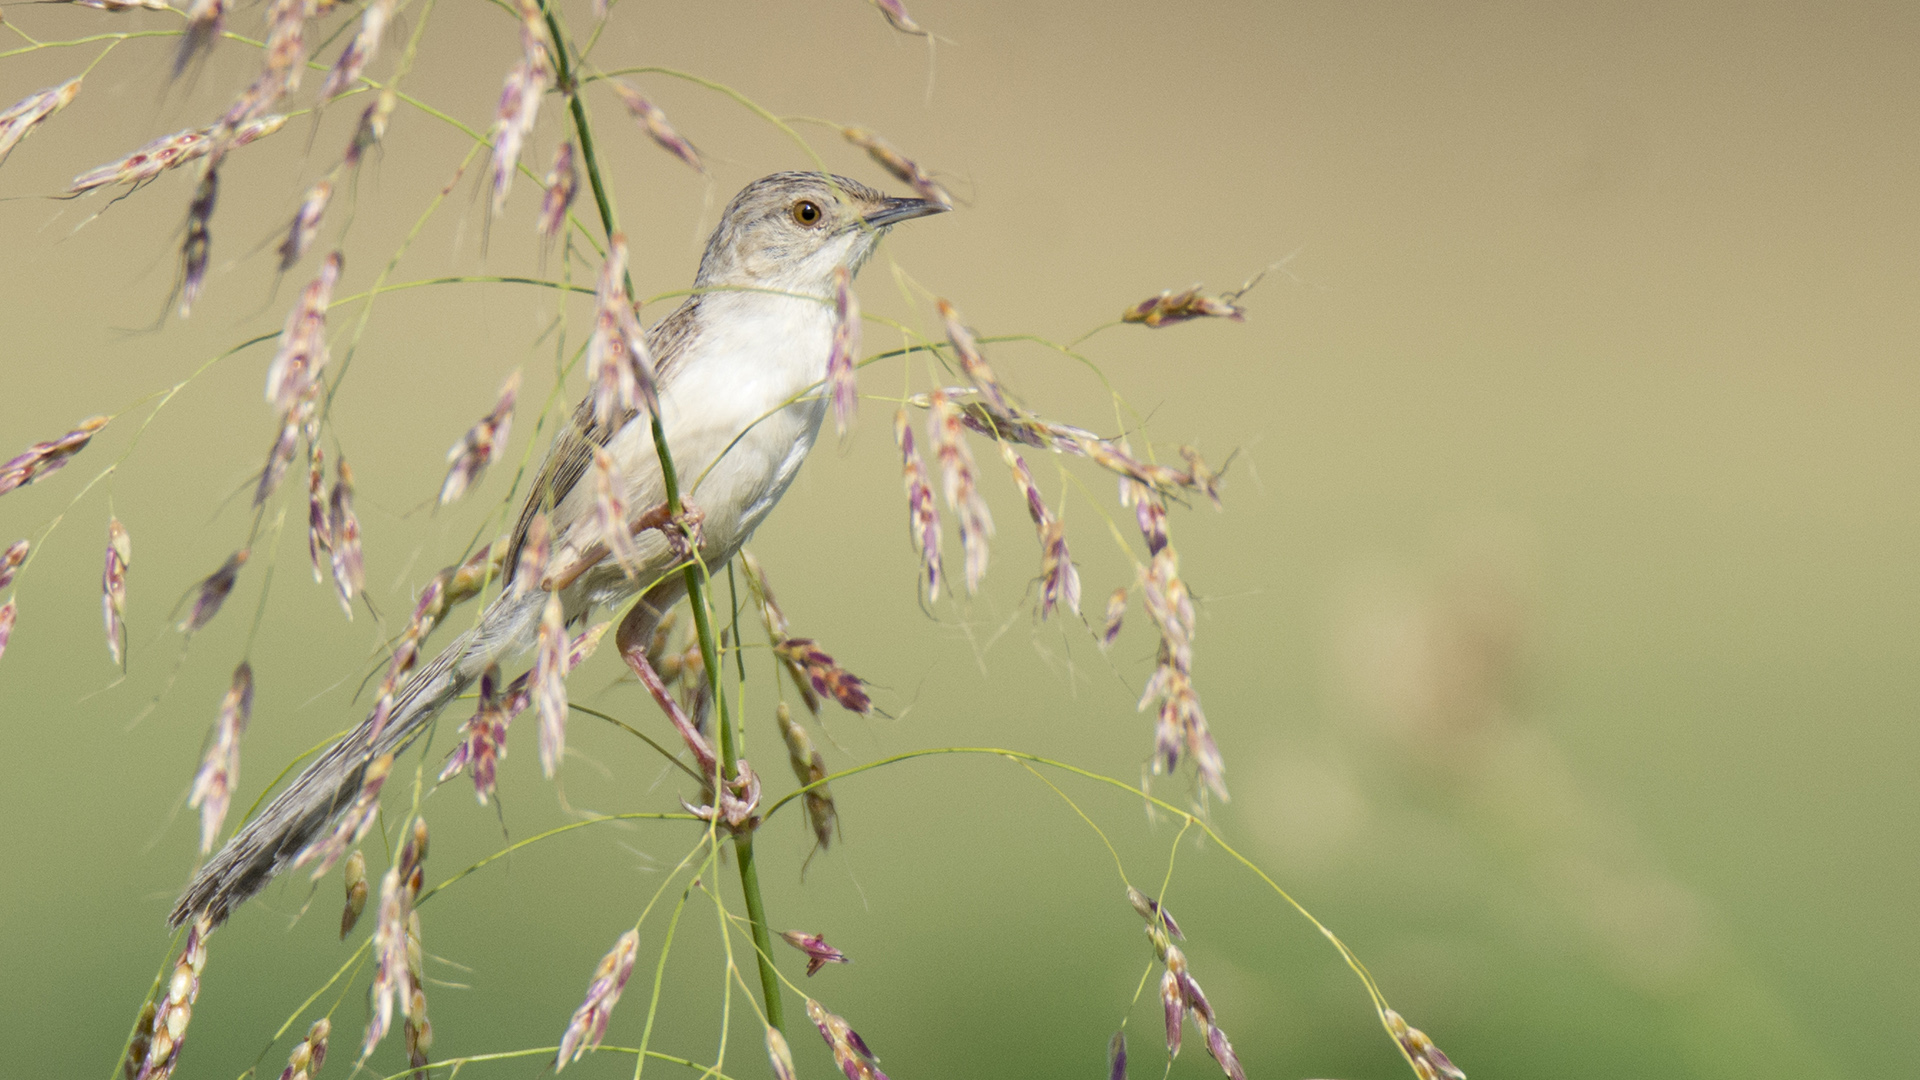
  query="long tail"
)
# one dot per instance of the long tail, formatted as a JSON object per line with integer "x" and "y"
{"x": 269, "y": 843}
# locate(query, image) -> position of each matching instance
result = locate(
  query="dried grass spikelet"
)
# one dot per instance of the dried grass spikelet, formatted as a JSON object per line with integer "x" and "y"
{"x": 850, "y": 1051}
{"x": 8, "y": 613}
{"x": 619, "y": 368}
{"x": 1172, "y": 307}
{"x": 1117, "y": 1056}
{"x": 220, "y": 769}
{"x": 309, "y": 1053}
{"x": 170, "y": 152}
{"x": 1181, "y": 725}
{"x": 389, "y": 959}
{"x": 11, "y": 559}
{"x": 1181, "y": 998}
{"x": 371, "y": 128}
{"x": 482, "y": 445}
{"x": 113, "y": 589}
{"x": 923, "y": 515}
{"x": 349, "y": 572}
{"x": 845, "y": 350}
{"x": 43, "y": 459}
{"x": 319, "y": 532}
{"x": 1428, "y": 1061}
{"x": 810, "y": 769}
{"x": 354, "y": 58}
{"x": 306, "y": 224}
{"x": 20, "y": 118}
{"x": 212, "y": 592}
{"x": 900, "y": 165}
{"x": 819, "y": 953}
{"x": 280, "y": 455}
{"x": 355, "y": 878}
{"x": 535, "y": 550}
{"x": 589, "y": 1021}
{"x": 1059, "y": 580}
{"x": 562, "y": 184}
{"x": 176, "y": 1005}
{"x": 137, "y": 1045}
{"x": 654, "y": 121}
{"x": 1116, "y": 613}
{"x": 610, "y": 519}
{"x": 963, "y": 495}
{"x": 353, "y": 825}
{"x": 896, "y": 14}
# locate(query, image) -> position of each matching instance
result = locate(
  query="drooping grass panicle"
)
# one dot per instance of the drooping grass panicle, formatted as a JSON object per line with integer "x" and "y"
{"x": 11, "y": 559}
{"x": 1429, "y": 1062}
{"x": 220, "y": 769}
{"x": 655, "y": 122}
{"x": 923, "y": 515}
{"x": 212, "y": 592}
{"x": 1180, "y": 994}
{"x": 349, "y": 572}
{"x": 562, "y": 184}
{"x": 175, "y": 1008}
{"x": 43, "y": 459}
{"x": 844, "y": 352}
{"x": 20, "y": 118}
{"x": 170, "y": 152}
{"x": 901, "y": 166}
{"x": 589, "y": 1023}
{"x": 962, "y": 492}
{"x": 526, "y": 83}
{"x": 612, "y": 526}
{"x": 482, "y": 445}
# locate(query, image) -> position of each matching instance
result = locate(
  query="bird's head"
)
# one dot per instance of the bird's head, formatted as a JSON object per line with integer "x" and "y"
{"x": 789, "y": 231}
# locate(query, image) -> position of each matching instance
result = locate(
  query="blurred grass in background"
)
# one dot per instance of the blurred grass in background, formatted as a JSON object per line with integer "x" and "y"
{"x": 1559, "y": 636}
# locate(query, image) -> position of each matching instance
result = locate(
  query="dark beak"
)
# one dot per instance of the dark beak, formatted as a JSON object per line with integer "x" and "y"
{"x": 894, "y": 211}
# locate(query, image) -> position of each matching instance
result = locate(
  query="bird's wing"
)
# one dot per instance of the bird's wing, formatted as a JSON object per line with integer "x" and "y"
{"x": 571, "y": 454}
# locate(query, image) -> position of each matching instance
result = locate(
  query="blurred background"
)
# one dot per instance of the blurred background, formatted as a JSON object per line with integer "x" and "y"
{"x": 1559, "y": 633}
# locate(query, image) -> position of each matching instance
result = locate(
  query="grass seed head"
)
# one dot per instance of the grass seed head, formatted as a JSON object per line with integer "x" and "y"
{"x": 389, "y": 959}
{"x": 305, "y": 225}
{"x": 972, "y": 361}
{"x": 292, "y": 375}
{"x": 349, "y": 572}
{"x": 589, "y": 1021}
{"x": 11, "y": 559}
{"x": 1429, "y": 1062}
{"x": 482, "y": 445}
{"x": 1152, "y": 911}
{"x": 535, "y": 550}
{"x": 780, "y": 1055}
{"x": 610, "y": 514}
{"x": 220, "y": 770}
{"x": 923, "y": 515}
{"x": 484, "y": 739}
{"x": 43, "y": 459}
{"x": 845, "y": 350}
{"x": 550, "y": 686}
{"x": 1170, "y": 307}
{"x": 372, "y": 127}
{"x": 198, "y": 246}
{"x": 20, "y": 118}
{"x": 850, "y": 1051}
{"x": 176, "y": 1005}
{"x": 1117, "y": 1056}
{"x": 902, "y": 167}
{"x": 963, "y": 495}
{"x": 309, "y": 1053}
{"x": 319, "y": 533}
{"x": 142, "y": 1039}
{"x": 8, "y": 612}
{"x": 356, "y": 882}
{"x": 526, "y": 83}
{"x": 353, "y": 59}
{"x": 212, "y": 592}
{"x": 654, "y": 120}
{"x": 819, "y": 953}
{"x": 562, "y": 183}
{"x": 1116, "y": 613}
{"x": 171, "y": 152}
{"x": 829, "y": 679}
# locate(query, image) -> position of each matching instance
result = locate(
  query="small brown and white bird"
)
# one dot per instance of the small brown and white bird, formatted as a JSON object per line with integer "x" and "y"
{"x": 739, "y": 369}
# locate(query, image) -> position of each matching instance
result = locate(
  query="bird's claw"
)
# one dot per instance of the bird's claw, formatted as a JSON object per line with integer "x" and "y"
{"x": 682, "y": 531}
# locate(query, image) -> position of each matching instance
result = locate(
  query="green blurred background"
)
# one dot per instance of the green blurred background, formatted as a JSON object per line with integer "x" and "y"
{"x": 1559, "y": 634}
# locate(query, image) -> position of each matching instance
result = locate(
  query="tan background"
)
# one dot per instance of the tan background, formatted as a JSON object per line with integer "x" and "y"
{"x": 1559, "y": 636}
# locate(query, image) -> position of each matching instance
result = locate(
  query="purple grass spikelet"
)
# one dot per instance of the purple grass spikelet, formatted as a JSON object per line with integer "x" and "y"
{"x": 484, "y": 739}
{"x": 171, "y": 152}
{"x": 1429, "y": 1062}
{"x": 967, "y": 349}
{"x": 113, "y": 589}
{"x": 850, "y": 1051}
{"x": 220, "y": 770}
{"x": 780, "y": 1055}
{"x": 1171, "y": 307}
{"x": 43, "y": 459}
{"x": 303, "y": 341}
{"x": 897, "y": 17}
{"x": 1117, "y": 1056}
{"x": 902, "y": 167}
{"x": 589, "y": 1021}
{"x": 550, "y": 686}
{"x": 963, "y": 495}
{"x": 198, "y": 246}
{"x": 923, "y": 515}
{"x": 348, "y": 570}
{"x": 562, "y": 184}
{"x": 845, "y": 351}
{"x": 1116, "y": 614}
{"x": 309, "y": 1053}
{"x": 482, "y": 445}
{"x": 212, "y": 592}
{"x": 819, "y": 953}
{"x": 828, "y": 678}
{"x": 176, "y": 1005}
{"x": 354, "y": 58}
{"x": 16, "y": 554}
{"x": 20, "y": 118}
{"x": 305, "y": 225}
{"x": 8, "y": 613}
{"x": 353, "y": 825}
{"x": 654, "y": 121}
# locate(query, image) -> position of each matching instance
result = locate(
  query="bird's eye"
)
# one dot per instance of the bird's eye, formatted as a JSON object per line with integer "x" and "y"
{"x": 807, "y": 212}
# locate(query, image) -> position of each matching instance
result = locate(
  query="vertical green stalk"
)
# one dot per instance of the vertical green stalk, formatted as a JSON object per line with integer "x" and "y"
{"x": 696, "y": 580}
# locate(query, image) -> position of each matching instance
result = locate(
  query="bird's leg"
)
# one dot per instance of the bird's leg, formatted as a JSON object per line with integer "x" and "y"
{"x": 682, "y": 533}
{"x": 635, "y": 631}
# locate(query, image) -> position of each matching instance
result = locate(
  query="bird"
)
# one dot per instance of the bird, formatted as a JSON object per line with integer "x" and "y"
{"x": 738, "y": 368}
